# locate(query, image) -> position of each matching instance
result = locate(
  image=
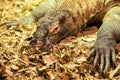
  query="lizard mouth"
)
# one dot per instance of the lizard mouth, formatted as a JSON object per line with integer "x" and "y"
{"x": 49, "y": 41}
{"x": 36, "y": 44}
{"x": 44, "y": 45}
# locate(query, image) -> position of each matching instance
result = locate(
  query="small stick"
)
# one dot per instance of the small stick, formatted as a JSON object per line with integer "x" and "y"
{"x": 114, "y": 71}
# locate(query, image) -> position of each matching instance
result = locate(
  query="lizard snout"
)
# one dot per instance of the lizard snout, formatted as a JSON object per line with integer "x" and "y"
{"x": 36, "y": 44}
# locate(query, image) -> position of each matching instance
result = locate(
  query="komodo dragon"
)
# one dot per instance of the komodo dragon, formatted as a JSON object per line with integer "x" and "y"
{"x": 61, "y": 18}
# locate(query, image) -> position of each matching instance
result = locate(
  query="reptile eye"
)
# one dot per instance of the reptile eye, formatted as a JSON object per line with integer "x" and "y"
{"x": 62, "y": 19}
{"x": 54, "y": 29}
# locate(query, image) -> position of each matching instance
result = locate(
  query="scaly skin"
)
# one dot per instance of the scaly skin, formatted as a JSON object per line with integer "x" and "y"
{"x": 83, "y": 9}
{"x": 63, "y": 21}
{"x": 61, "y": 18}
{"x": 107, "y": 38}
{"x": 35, "y": 15}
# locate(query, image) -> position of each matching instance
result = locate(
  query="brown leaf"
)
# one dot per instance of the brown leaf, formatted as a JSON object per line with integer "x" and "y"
{"x": 75, "y": 76}
{"x": 51, "y": 74}
{"x": 71, "y": 65}
{"x": 40, "y": 78}
{"x": 49, "y": 59}
{"x": 81, "y": 59}
{"x": 26, "y": 59}
{"x": 65, "y": 77}
{"x": 2, "y": 71}
{"x": 14, "y": 67}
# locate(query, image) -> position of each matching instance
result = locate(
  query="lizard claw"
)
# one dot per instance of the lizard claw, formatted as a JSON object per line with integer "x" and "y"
{"x": 103, "y": 53}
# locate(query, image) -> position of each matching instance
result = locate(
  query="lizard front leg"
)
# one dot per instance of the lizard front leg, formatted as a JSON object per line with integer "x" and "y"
{"x": 104, "y": 48}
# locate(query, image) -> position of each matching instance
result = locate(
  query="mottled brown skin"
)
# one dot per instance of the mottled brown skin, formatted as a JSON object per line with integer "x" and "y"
{"x": 68, "y": 18}
{"x": 51, "y": 29}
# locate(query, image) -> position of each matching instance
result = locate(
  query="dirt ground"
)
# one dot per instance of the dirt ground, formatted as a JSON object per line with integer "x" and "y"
{"x": 68, "y": 60}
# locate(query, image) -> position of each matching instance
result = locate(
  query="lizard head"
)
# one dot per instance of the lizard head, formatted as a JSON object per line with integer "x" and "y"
{"x": 51, "y": 29}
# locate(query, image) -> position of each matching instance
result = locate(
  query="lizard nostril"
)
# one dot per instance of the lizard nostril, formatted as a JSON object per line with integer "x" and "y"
{"x": 36, "y": 43}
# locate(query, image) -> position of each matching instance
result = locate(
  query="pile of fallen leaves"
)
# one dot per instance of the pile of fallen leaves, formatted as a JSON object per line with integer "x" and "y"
{"x": 67, "y": 60}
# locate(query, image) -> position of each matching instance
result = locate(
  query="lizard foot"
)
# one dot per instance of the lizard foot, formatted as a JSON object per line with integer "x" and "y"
{"x": 104, "y": 53}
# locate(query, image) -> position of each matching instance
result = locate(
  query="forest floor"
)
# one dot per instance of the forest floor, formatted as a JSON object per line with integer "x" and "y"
{"x": 68, "y": 60}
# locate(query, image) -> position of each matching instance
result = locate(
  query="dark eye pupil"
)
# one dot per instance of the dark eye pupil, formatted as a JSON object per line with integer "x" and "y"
{"x": 62, "y": 20}
{"x": 56, "y": 28}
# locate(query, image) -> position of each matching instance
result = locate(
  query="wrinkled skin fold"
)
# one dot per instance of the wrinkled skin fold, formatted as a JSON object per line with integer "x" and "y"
{"x": 104, "y": 48}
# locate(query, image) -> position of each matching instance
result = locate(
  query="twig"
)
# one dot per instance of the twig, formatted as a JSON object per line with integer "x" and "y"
{"x": 114, "y": 71}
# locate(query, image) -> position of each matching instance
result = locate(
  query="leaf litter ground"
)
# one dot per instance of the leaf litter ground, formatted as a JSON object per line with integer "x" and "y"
{"x": 68, "y": 60}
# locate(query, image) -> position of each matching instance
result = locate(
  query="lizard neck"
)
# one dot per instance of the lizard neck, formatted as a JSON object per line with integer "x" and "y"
{"x": 82, "y": 10}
